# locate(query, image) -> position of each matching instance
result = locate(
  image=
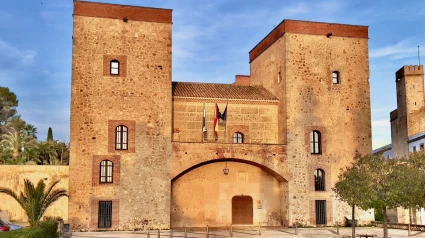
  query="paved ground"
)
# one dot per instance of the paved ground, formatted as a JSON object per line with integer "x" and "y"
{"x": 328, "y": 232}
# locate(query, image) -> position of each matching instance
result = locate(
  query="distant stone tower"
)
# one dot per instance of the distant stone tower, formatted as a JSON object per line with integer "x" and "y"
{"x": 120, "y": 117}
{"x": 409, "y": 117}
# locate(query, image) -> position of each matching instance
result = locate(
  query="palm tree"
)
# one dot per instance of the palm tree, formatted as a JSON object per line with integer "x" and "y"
{"x": 15, "y": 141}
{"x": 36, "y": 200}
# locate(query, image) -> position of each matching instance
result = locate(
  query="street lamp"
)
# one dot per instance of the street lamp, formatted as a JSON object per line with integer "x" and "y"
{"x": 226, "y": 170}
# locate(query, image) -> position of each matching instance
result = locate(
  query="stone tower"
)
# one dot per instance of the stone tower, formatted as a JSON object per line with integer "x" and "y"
{"x": 409, "y": 117}
{"x": 320, "y": 73}
{"x": 120, "y": 117}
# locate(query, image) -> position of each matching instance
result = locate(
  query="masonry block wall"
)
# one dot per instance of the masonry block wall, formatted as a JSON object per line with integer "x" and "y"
{"x": 295, "y": 62}
{"x": 138, "y": 98}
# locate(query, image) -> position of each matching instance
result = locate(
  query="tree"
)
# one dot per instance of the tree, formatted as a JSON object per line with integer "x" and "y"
{"x": 8, "y": 104}
{"x": 353, "y": 187}
{"x": 36, "y": 200}
{"x": 30, "y": 130}
{"x": 14, "y": 141}
{"x": 50, "y": 134}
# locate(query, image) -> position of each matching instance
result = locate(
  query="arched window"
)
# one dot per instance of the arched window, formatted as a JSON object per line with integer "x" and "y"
{"x": 315, "y": 142}
{"x": 238, "y": 138}
{"x": 121, "y": 138}
{"x": 106, "y": 170}
{"x": 335, "y": 77}
{"x": 319, "y": 180}
{"x": 115, "y": 67}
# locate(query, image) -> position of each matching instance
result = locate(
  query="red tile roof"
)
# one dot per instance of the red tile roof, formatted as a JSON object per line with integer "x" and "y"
{"x": 221, "y": 91}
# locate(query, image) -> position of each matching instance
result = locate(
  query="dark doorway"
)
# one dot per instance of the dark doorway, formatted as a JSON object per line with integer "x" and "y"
{"x": 320, "y": 212}
{"x": 242, "y": 210}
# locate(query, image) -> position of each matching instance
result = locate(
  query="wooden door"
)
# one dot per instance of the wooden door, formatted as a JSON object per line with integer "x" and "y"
{"x": 242, "y": 210}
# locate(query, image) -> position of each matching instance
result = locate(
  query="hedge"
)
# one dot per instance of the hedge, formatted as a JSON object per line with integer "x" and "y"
{"x": 47, "y": 229}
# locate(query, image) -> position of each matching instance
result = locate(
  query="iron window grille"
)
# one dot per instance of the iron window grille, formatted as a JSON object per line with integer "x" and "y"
{"x": 105, "y": 214}
{"x": 115, "y": 67}
{"x": 320, "y": 212}
{"x": 121, "y": 138}
{"x": 319, "y": 180}
{"x": 238, "y": 138}
{"x": 335, "y": 77}
{"x": 106, "y": 171}
{"x": 315, "y": 140}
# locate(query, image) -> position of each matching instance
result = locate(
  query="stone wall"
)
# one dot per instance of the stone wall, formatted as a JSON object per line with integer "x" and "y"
{"x": 257, "y": 121}
{"x": 12, "y": 177}
{"x": 204, "y": 195}
{"x": 138, "y": 98}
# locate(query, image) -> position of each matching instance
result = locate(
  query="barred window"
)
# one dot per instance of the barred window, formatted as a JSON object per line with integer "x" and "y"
{"x": 315, "y": 140}
{"x": 105, "y": 214}
{"x": 320, "y": 212}
{"x": 106, "y": 171}
{"x": 121, "y": 138}
{"x": 238, "y": 138}
{"x": 319, "y": 180}
{"x": 115, "y": 67}
{"x": 335, "y": 77}
{"x": 421, "y": 146}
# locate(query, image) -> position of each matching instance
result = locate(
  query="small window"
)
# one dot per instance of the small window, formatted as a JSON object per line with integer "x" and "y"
{"x": 106, "y": 171}
{"x": 121, "y": 138}
{"x": 105, "y": 214}
{"x": 335, "y": 77}
{"x": 238, "y": 138}
{"x": 115, "y": 67}
{"x": 279, "y": 77}
{"x": 320, "y": 212}
{"x": 414, "y": 148}
{"x": 319, "y": 180}
{"x": 315, "y": 142}
{"x": 421, "y": 146}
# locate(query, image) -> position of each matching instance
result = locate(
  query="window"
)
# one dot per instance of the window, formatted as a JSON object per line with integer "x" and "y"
{"x": 279, "y": 77}
{"x": 315, "y": 142}
{"x": 335, "y": 77}
{"x": 414, "y": 148}
{"x": 319, "y": 180}
{"x": 106, "y": 171}
{"x": 115, "y": 67}
{"x": 320, "y": 212}
{"x": 238, "y": 138}
{"x": 105, "y": 214}
{"x": 421, "y": 146}
{"x": 121, "y": 138}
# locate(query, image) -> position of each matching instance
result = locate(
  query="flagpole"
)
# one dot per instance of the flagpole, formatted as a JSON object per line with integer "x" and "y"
{"x": 225, "y": 128}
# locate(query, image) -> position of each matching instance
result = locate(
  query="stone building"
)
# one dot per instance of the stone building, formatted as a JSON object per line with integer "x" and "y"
{"x": 150, "y": 153}
{"x": 407, "y": 126}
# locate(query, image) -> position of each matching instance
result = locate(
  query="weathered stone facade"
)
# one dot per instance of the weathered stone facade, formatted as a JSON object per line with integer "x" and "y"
{"x": 171, "y": 172}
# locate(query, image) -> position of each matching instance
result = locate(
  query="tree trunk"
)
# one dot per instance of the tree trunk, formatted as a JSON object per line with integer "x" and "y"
{"x": 410, "y": 220}
{"x": 353, "y": 222}
{"x": 385, "y": 223}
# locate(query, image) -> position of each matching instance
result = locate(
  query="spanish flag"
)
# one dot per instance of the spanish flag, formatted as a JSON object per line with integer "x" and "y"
{"x": 217, "y": 112}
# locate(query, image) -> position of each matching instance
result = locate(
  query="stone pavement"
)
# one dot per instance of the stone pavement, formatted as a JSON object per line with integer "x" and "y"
{"x": 327, "y": 232}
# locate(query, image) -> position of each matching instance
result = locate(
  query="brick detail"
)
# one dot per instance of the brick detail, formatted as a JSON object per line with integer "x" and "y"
{"x": 94, "y": 216}
{"x": 115, "y": 159}
{"x": 131, "y": 126}
{"x": 114, "y": 11}
{"x": 244, "y": 80}
{"x": 122, "y": 68}
{"x": 238, "y": 128}
{"x": 329, "y": 216}
{"x": 305, "y": 27}
{"x": 327, "y": 168}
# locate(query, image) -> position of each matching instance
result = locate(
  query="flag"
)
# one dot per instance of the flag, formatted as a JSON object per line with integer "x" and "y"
{"x": 204, "y": 124}
{"x": 217, "y": 115}
{"x": 223, "y": 117}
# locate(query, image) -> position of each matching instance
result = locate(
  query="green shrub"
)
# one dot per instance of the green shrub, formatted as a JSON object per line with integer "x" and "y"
{"x": 46, "y": 229}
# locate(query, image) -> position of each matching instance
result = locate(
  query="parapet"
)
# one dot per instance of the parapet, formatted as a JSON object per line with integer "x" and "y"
{"x": 244, "y": 80}
{"x": 409, "y": 70}
{"x": 308, "y": 28}
{"x": 393, "y": 115}
{"x": 122, "y": 12}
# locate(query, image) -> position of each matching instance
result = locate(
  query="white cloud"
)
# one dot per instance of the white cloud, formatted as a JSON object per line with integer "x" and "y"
{"x": 12, "y": 56}
{"x": 402, "y": 49}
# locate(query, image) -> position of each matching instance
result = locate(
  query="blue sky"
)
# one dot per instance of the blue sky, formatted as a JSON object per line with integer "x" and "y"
{"x": 211, "y": 41}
